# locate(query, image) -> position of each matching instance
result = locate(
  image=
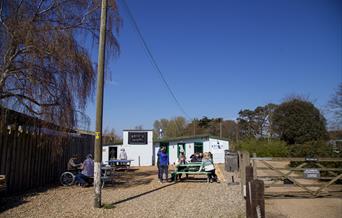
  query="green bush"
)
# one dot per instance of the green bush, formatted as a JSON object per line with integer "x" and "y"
{"x": 264, "y": 148}
{"x": 312, "y": 149}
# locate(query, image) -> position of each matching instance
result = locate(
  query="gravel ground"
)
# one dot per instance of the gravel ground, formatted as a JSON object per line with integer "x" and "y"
{"x": 143, "y": 196}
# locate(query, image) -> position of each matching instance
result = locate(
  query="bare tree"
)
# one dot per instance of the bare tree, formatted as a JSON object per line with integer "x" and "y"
{"x": 110, "y": 137}
{"x": 44, "y": 69}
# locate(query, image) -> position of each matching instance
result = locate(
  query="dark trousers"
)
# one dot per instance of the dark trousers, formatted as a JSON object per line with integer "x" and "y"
{"x": 159, "y": 172}
{"x": 212, "y": 175}
{"x": 163, "y": 170}
{"x": 82, "y": 179}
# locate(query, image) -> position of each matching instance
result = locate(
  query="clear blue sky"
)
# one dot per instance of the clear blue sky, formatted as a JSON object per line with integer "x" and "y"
{"x": 220, "y": 57}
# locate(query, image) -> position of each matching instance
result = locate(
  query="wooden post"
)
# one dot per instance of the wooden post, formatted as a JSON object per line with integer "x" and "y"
{"x": 254, "y": 167}
{"x": 249, "y": 202}
{"x": 244, "y": 161}
{"x": 258, "y": 201}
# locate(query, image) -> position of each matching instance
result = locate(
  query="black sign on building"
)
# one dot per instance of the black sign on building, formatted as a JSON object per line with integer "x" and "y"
{"x": 137, "y": 138}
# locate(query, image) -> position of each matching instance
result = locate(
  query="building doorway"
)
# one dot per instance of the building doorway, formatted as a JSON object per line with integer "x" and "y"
{"x": 113, "y": 153}
{"x": 181, "y": 147}
{"x": 198, "y": 147}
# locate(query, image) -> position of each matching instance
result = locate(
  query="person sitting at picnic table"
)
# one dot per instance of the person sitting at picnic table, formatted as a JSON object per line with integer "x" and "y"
{"x": 200, "y": 157}
{"x": 84, "y": 178}
{"x": 163, "y": 164}
{"x": 195, "y": 157}
{"x": 209, "y": 167}
{"x": 181, "y": 160}
{"x": 74, "y": 164}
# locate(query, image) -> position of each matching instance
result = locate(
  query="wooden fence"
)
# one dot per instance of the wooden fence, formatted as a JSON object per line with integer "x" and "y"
{"x": 304, "y": 180}
{"x": 30, "y": 160}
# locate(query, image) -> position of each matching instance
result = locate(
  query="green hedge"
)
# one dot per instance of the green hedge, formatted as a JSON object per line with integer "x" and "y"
{"x": 278, "y": 148}
{"x": 264, "y": 148}
{"x": 312, "y": 149}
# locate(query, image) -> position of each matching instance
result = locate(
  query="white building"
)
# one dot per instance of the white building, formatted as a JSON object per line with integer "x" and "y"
{"x": 138, "y": 145}
{"x": 191, "y": 145}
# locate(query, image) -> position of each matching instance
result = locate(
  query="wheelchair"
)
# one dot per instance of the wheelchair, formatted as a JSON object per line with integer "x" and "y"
{"x": 68, "y": 178}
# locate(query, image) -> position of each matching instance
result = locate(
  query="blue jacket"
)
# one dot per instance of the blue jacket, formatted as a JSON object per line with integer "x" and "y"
{"x": 163, "y": 159}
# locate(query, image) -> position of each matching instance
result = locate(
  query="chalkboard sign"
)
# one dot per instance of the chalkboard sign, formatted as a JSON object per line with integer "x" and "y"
{"x": 137, "y": 138}
{"x": 311, "y": 174}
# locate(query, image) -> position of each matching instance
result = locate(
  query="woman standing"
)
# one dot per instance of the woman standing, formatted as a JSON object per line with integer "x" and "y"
{"x": 163, "y": 164}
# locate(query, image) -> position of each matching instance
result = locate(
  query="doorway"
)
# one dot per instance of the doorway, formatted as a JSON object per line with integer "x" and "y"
{"x": 113, "y": 153}
{"x": 198, "y": 147}
{"x": 181, "y": 147}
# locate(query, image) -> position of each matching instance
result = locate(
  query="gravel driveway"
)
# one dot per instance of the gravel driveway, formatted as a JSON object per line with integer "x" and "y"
{"x": 142, "y": 196}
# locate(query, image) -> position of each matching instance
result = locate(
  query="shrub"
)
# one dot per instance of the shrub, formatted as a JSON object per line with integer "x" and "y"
{"x": 312, "y": 149}
{"x": 264, "y": 148}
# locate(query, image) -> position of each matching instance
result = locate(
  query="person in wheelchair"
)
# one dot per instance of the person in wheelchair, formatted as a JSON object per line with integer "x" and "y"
{"x": 85, "y": 177}
{"x": 74, "y": 164}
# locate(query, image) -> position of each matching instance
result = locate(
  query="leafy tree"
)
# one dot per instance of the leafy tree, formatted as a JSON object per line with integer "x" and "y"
{"x": 44, "y": 69}
{"x": 298, "y": 121}
{"x": 257, "y": 122}
{"x": 247, "y": 123}
{"x": 263, "y": 120}
{"x": 335, "y": 107}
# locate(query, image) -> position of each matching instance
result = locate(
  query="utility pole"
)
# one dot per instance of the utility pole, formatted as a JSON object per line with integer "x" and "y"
{"x": 220, "y": 128}
{"x": 99, "y": 106}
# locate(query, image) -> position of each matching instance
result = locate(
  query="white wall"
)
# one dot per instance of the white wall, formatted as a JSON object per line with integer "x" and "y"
{"x": 217, "y": 147}
{"x": 143, "y": 153}
{"x": 105, "y": 154}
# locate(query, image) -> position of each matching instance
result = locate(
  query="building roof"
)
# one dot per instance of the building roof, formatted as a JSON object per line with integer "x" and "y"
{"x": 190, "y": 137}
{"x": 137, "y": 130}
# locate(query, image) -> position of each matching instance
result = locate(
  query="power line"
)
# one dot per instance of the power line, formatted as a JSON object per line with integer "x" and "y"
{"x": 152, "y": 59}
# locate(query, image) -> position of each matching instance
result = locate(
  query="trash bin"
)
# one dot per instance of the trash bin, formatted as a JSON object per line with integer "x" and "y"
{"x": 231, "y": 161}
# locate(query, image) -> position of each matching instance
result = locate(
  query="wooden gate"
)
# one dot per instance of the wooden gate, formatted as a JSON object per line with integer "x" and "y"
{"x": 309, "y": 178}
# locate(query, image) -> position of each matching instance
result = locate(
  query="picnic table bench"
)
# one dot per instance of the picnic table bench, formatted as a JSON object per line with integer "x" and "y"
{"x": 192, "y": 168}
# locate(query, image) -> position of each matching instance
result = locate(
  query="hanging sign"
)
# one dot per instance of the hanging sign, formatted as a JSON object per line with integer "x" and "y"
{"x": 312, "y": 174}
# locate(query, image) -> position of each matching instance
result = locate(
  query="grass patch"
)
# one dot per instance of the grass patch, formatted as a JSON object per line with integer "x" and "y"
{"x": 108, "y": 206}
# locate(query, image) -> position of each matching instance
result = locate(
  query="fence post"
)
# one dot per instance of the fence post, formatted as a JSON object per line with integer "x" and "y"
{"x": 244, "y": 161}
{"x": 258, "y": 201}
{"x": 254, "y": 167}
{"x": 255, "y": 203}
{"x": 249, "y": 202}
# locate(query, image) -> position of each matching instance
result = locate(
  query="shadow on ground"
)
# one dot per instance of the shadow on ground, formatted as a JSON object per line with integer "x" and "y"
{"x": 132, "y": 177}
{"x": 8, "y": 202}
{"x": 141, "y": 194}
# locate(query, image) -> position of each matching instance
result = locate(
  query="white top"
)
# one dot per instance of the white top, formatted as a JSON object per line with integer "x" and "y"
{"x": 123, "y": 155}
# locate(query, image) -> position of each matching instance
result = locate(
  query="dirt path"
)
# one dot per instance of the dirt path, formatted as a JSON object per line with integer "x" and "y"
{"x": 304, "y": 208}
{"x": 142, "y": 196}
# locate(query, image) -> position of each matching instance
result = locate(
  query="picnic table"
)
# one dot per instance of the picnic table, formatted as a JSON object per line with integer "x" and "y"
{"x": 189, "y": 168}
{"x": 120, "y": 164}
{"x": 107, "y": 175}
